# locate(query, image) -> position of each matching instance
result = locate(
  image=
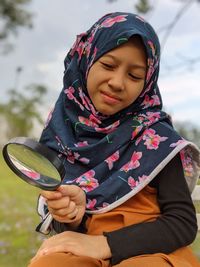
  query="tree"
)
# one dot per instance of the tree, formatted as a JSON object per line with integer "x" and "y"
{"x": 12, "y": 16}
{"x": 22, "y": 110}
{"x": 188, "y": 131}
{"x": 143, "y": 6}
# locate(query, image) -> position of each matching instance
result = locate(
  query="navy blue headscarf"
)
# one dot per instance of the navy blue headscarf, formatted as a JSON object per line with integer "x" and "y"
{"x": 113, "y": 157}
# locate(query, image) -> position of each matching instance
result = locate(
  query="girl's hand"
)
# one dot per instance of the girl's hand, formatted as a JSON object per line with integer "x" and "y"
{"x": 77, "y": 244}
{"x": 66, "y": 204}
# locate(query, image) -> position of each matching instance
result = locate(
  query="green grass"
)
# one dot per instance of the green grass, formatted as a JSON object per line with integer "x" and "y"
{"x": 197, "y": 205}
{"x": 196, "y": 246}
{"x": 18, "y": 218}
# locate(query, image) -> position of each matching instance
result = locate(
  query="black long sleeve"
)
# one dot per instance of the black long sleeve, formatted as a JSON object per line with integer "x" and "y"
{"x": 175, "y": 228}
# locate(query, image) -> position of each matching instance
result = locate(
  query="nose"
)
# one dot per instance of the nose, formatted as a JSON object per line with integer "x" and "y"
{"x": 117, "y": 81}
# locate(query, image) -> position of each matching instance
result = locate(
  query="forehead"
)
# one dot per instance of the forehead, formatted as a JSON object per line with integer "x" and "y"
{"x": 132, "y": 52}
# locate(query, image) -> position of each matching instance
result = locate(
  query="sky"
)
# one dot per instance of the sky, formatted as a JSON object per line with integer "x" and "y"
{"x": 40, "y": 52}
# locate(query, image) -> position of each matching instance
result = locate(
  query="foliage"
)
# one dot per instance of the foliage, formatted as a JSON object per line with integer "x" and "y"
{"x": 188, "y": 131}
{"x": 12, "y": 16}
{"x": 22, "y": 110}
{"x": 143, "y": 6}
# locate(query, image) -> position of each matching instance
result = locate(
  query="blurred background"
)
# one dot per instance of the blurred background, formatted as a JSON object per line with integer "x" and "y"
{"x": 35, "y": 36}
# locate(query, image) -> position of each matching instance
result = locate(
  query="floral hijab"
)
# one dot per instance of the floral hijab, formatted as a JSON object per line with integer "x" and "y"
{"x": 113, "y": 157}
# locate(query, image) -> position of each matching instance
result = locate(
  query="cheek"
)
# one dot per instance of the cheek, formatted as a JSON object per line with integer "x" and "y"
{"x": 91, "y": 79}
{"x": 89, "y": 82}
{"x": 134, "y": 93}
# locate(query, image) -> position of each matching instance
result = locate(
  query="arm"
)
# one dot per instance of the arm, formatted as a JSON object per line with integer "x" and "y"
{"x": 177, "y": 226}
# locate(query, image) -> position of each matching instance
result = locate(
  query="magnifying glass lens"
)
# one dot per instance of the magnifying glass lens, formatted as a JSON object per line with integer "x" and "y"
{"x": 34, "y": 162}
{"x": 33, "y": 165}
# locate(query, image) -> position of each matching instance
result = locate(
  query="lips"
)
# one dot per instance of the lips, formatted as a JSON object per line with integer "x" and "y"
{"x": 109, "y": 98}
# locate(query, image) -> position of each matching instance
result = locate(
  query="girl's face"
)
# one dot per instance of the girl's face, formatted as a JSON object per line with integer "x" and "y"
{"x": 117, "y": 78}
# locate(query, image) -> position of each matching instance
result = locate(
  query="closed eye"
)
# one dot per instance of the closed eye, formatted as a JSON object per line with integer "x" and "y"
{"x": 134, "y": 77}
{"x": 107, "y": 66}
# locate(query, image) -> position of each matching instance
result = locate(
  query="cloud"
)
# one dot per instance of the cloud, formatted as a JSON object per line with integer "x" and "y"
{"x": 181, "y": 96}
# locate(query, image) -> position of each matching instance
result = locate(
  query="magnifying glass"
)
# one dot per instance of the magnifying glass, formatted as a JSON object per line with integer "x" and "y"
{"x": 34, "y": 162}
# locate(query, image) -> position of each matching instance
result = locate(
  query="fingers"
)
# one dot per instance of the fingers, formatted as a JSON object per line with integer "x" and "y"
{"x": 69, "y": 190}
{"x": 68, "y": 212}
{"x": 58, "y": 204}
{"x": 66, "y": 204}
{"x": 63, "y": 190}
{"x": 47, "y": 251}
{"x": 51, "y": 195}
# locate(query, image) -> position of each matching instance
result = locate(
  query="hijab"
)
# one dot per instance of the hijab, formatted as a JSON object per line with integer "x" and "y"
{"x": 113, "y": 157}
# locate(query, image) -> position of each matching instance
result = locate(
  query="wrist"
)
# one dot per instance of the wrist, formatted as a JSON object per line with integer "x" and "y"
{"x": 105, "y": 248}
{"x": 74, "y": 224}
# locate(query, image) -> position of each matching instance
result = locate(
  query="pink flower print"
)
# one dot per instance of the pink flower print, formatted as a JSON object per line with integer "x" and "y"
{"x": 66, "y": 151}
{"x": 84, "y": 160}
{"x": 142, "y": 178}
{"x": 150, "y": 72}
{"x": 77, "y": 43}
{"x": 81, "y": 144}
{"x": 87, "y": 121}
{"x": 109, "y": 129}
{"x": 91, "y": 204}
{"x": 177, "y": 143}
{"x": 150, "y": 102}
{"x": 136, "y": 131}
{"x": 90, "y": 41}
{"x": 140, "y": 118}
{"x": 88, "y": 49}
{"x": 48, "y": 118}
{"x": 105, "y": 204}
{"x": 83, "y": 98}
{"x": 150, "y": 43}
{"x": 187, "y": 163}
{"x": 87, "y": 181}
{"x": 146, "y": 102}
{"x": 86, "y": 101}
{"x": 110, "y": 160}
{"x": 152, "y": 117}
{"x": 138, "y": 140}
{"x": 152, "y": 140}
{"x": 140, "y": 18}
{"x": 91, "y": 61}
{"x": 70, "y": 92}
{"x": 77, "y": 157}
{"x": 156, "y": 100}
{"x": 91, "y": 38}
{"x": 80, "y": 50}
{"x": 132, "y": 183}
{"x": 109, "y": 22}
{"x": 31, "y": 174}
{"x": 147, "y": 89}
{"x": 133, "y": 163}
{"x": 94, "y": 119}
{"x": 70, "y": 157}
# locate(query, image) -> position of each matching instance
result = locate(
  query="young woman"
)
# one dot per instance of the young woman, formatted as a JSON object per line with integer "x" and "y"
{"x": 125, "y": 199}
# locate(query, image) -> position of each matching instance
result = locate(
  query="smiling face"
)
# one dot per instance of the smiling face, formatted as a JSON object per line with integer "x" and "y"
{"x": 117, "y": 78}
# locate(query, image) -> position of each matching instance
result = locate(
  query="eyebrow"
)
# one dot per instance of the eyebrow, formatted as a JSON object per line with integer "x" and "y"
{"x": 135, "y": 66}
